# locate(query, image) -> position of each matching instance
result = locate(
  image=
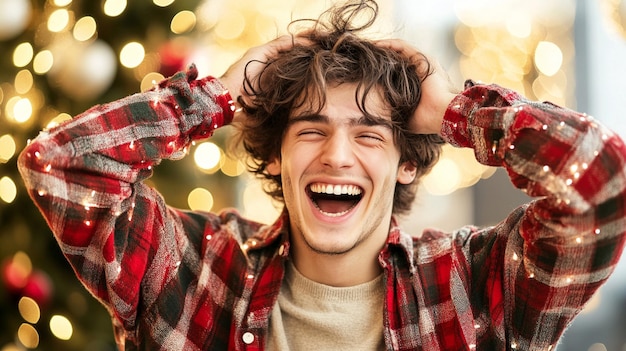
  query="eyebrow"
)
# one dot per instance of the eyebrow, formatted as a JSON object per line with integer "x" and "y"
{"x": 364, "y": 120}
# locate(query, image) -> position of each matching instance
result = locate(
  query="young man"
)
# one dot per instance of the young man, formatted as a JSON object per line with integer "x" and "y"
{"x": 341, "y": 128}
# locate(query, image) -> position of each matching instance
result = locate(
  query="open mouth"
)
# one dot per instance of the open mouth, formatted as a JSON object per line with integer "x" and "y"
{"x": 334, "y": 200}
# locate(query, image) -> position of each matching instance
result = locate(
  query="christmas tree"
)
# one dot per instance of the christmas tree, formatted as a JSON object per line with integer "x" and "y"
{"x": 61, "y": 57}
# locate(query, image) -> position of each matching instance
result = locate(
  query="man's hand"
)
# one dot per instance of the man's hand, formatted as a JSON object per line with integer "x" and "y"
{"x": 437, "y": 89}
{"x": 252, "y": 63}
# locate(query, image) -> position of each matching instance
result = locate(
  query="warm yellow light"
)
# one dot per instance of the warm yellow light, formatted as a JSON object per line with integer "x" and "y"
{"x": 548, "y": 58}
{"x": 85, "y": 28}
{"x": 7, "y": 148}
{"x": 443, "y": 179}
{"x": 184, "y": 21}
{"x": 23, "y": 54}
{"x": 11, "y": 347}
{"x": 22, "y": 264}
{"x": 114, "y": 8}
{"x": 28, "y": 336}
{"x": 23, "y": 81}
{"x": 230, "y": 25}
{"x": 8, "y": 190}
{"x": 258, "y": 205}
{"x": 597, "y": 347}
{"x": 200, "y": 199}
{"x": 233, "y": 167}
{"x": 29, "y": 310}
{"x": 60, "y": 118}
{"x": 22, "y": 110}
{"x": 132, "y": 54}
{"x": 150, "y": 80}
{"x": 58, "y": 20}
{"x": 43, "y": 62}
{"x": 163, "y": 3}
{"x": 61, "y": 327}
{"x": 62, "y": 3}
{"x": 207, "y": 156}
{"x": 519, "y": 25}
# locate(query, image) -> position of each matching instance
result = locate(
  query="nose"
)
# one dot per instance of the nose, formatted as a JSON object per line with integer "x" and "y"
{"x": 337, "y": 151}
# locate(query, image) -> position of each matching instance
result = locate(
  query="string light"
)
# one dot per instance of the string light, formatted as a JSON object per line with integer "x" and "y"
{"x": 114, "y": 8}
{"x": 29, "y": 310}
{"x": 8, "y": 189}
{"x": 28, "y": 336}
{"x": 85, "y": 28}
{"x": 208, "y": 157}
{"x": 200, "y": 199}
{"x": 7, "y": 148}
{"x": 184, "y": 21}
{"x": 163, "y": 3}
{"x": 58, "y": 20}
{"x": 548, "y": 58}
{"x": 132, "y": 54}
{"x": 43, "y": 62}
{"x": 61, "y": 327}
{"x": 23, "y": 54}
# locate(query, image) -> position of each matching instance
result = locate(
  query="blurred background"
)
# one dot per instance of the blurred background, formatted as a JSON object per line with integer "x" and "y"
{"x": 60, "y": 57}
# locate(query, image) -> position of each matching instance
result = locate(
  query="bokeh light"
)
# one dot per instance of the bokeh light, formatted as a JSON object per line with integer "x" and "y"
{"x": 85, "y": 28}
{"x": 23, "y": 54}
{"x": 132, "y": 54}
{"x": 28, "y": 336}
{"x": 208, "y": 156}
{"x": 61, "y": 327}
{"x": 43, "y": 62}
{"x": 150, "y": 80}
{"x": 29, "y": 310}
{"x": 8, "y": 189}
{"x": 184, "y": 21}
{"x": 58, "y": 20}
{"x": 548, "y": 58}
{"x": 7, "y": 147}
{"x": 200, "y": 199}
{"x": 23, "y": 81}
{"x": 163, "y": 3}
{"x": 114, "y": 8}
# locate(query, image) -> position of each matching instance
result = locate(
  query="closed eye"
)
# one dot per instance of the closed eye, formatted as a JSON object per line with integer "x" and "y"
{"x": 309, "y": 134}
{"x": 372, "y": 136}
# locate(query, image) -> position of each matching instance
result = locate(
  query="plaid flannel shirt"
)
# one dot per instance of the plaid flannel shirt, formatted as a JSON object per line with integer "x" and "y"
{"x": 181, "y": 280}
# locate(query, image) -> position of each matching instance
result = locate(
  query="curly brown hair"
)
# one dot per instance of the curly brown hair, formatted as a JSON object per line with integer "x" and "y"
{"x": 334, "y": 55}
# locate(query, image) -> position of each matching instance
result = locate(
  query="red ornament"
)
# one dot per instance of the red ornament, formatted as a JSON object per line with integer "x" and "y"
{"x": 174, "y": 56}
{"x": 39, "y": 288}
{"x": 14, "y": 276}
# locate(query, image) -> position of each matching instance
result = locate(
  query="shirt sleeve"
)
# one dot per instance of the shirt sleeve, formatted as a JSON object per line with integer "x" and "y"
{"x": 549, "y": 257}
{"x": 85, "y": 176}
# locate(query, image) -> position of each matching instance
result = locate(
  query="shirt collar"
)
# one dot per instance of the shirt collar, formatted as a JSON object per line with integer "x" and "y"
{"x": 397, "y": 240}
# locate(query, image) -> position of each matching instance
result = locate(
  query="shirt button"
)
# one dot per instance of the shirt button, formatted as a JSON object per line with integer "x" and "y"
{"x": 248, "y": 338}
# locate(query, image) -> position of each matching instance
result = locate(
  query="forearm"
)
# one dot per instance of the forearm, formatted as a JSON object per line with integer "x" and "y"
{"x": 548, "y": 259}
{"x": 547, "y": 150}
{"x": 112, "y": 146}
{"x": 86, "y": 178}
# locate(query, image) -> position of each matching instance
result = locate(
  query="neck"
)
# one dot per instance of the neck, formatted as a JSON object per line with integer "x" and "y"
{"x": 341, "y": 270}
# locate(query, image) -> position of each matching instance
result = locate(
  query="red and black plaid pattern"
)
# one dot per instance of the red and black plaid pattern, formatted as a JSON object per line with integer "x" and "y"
{"x": 179, "y": 280}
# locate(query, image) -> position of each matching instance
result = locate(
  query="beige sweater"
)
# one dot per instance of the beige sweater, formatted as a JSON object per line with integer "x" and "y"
{"x": 313, "y": 316}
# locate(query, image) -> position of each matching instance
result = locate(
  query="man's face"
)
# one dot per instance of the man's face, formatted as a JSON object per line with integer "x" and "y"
{"x": 339, "y": 170}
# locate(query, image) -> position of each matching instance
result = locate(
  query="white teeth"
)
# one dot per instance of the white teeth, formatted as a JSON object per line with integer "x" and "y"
{"x": 334, "y": 214}
{"x": 335, "y": 189}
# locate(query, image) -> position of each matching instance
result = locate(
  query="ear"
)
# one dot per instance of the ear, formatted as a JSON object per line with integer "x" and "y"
{"x": 406, "y": 173}
{"x": 273, "y": 167}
